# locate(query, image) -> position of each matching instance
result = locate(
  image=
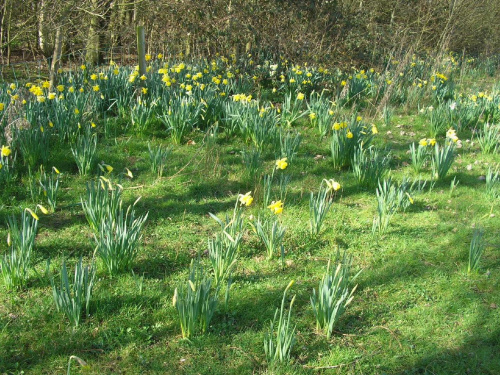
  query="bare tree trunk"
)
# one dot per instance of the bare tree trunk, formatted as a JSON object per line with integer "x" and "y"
{"x": 56, "y": 58}
{"x": 9, "y": 16}
{"x": 2, "y": 28}
{"x": 92, "y": 54}
{"x": 43, "y": 30}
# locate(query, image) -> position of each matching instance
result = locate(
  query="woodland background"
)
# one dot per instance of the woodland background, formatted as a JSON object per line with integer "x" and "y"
{"x": 344, "y": 32}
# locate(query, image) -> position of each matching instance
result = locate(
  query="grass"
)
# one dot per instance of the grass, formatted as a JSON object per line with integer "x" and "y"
{"x": 416, "y": 310}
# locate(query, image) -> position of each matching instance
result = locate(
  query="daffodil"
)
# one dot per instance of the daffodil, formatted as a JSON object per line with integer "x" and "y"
{"x": 281, "y": 163}
{"x": 6, "y": 151}
{"x": 56, "y": 170}
{"x": 43, "y": 209}
{"x": 246, "y": 200}
{"x": 374, "y": 129}
{"x": 129, "y": 173}
{"x": 331, "y": 185}
{"x": 300, "y": 96}
{"x": 106, "y": 167}
{"x": 35, "y": 216}
{"x": 349, "y": 134}
{"x": 423, "y": 142}
{"x": 276, "y": 207}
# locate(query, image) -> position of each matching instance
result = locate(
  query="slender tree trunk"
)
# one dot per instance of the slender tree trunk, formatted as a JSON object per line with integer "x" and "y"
{"x": 56, "y": 58}
{"x": 2, "y": 28}
{"x": 9, "y": 24}
{"x": 43, "y": 30}
{"x": 92, "y": 54}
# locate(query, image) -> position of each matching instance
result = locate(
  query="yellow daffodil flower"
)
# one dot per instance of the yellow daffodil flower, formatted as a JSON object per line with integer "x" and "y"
{"x": 332, "y": 185}
{"x": 281, "y": 163}
{"x": 245, "y": 200}
{"x": 35, "y": 216}
{"x": 43, "y": 209}
{"x": 6, "y": 151}
{"x": 276, "y": 207}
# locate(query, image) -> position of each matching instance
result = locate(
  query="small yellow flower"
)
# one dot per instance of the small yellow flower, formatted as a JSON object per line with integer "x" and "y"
{"x": 43, "y": 209}
{"x": 6, "y": 151}
{"x": 276, "y": 207}
{"x": 374, "y": 129}
{"x": 143, "y": 77}
{"x": 312, "y": 115}
{"x": 2, "y": 106}
{"x": 108, "y": 168}
{"x": 93, "y": 77}
{"x": 148, "y": 57}
{"x": 359, "y": 118}
{"x": 423, "y": 142}
{"x": 246, "y": 200}
{"x": 332, "y": 185}
{"x": 160, "y": 56}
{"x": 76, "y": 111}
{"x": 81, "y": 89}
{"x": 144, "y": 90}
{"x": 336, "y": 126}
{"x": 40, "y": 98}
{"x": 60, "y": 88}
{"x": 71, "y": 89}
{"x": 83, "y": 67}
{"x": 56, "y": 170}
{"x": 343, "y": 83}
{"x": 12, "y": 86}
{"x": 349, "y": 134}
{"x": 52, "y": 96}
{"x": 432, "y": 141}
{"x": 300, "y": 96}
{"x": 35, "y": 216}
{"x": 281, "y": 163}
{"x": 95, "y": 88}
{"x": 129, "y": 173}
